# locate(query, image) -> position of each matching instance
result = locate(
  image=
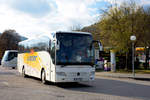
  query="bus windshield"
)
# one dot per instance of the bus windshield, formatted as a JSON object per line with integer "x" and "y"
{"x": 74, "y": 49}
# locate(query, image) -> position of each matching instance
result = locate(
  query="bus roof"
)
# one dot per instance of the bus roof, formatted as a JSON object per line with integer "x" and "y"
{"x": 11, "y": 50}
{"x": 73, "y": 32}
{"x": 51, "y": 36}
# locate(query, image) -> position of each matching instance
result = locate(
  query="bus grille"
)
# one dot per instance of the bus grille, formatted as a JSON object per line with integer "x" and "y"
{"x": 75, "y": 74}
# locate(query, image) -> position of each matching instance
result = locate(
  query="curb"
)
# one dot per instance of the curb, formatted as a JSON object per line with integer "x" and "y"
{"x": 126, "y": 77}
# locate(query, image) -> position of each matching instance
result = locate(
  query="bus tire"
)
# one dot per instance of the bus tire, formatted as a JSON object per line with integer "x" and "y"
{"x": 23, "y": 72}
{"x": 43, "y": 77}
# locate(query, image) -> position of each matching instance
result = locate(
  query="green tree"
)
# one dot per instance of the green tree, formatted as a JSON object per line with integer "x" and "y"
{"x": 118, "y": 23}
{"x": 94, "y": 29}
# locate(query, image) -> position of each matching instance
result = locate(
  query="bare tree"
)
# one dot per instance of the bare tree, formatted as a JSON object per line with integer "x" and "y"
{"x": 8, "y": 41}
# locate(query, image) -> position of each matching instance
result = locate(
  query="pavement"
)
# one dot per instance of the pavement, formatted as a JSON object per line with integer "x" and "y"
{"x": 14, "y": 87}
{"x": 145, "y": 77}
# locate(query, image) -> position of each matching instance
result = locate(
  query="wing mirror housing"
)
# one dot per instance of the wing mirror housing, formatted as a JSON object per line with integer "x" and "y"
{"x": 57, "y": 45}
{"x": 99, "y": 44}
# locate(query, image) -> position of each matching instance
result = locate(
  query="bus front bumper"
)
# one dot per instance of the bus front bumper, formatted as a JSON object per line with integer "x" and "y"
{"x": 75, "y": 77}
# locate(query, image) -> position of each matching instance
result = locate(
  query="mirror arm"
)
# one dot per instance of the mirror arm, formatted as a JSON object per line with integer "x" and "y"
{"x": 99, "y": 44}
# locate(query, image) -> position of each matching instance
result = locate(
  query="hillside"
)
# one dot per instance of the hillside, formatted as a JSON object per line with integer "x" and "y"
{"x": 94, "y": 29}
{"x": 22, "y": 38}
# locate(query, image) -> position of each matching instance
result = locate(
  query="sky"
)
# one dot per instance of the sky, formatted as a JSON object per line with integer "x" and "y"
{"x": 32, "y": 18}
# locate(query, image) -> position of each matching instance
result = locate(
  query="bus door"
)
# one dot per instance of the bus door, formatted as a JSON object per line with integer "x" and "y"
{"x": 52, "y": 60}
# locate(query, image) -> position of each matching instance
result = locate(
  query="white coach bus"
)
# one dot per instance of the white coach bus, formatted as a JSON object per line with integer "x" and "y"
{"x": 60, "y": 57}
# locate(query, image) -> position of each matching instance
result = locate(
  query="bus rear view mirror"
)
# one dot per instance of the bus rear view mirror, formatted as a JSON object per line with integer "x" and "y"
{"x": 58, "y": 45}
{"x": 99, "y": 45}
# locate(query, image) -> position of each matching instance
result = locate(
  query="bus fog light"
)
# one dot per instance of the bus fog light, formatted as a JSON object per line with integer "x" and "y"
{"x": 61, "y": 73}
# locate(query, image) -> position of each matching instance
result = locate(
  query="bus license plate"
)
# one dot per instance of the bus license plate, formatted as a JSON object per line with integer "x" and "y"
{"x": 77, "y": 79}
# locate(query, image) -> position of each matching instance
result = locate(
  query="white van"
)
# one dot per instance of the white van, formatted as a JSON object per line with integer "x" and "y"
{"x": 10, "y": 59}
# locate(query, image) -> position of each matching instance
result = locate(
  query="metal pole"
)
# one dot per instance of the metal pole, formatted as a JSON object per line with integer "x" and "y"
{"x": 133, "y": 72}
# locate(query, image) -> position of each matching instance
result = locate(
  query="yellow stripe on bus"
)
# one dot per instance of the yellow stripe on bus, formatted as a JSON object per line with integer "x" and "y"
{"x": 32, "y": 60}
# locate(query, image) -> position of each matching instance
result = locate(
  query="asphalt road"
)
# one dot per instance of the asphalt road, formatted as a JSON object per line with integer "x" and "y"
{"x": 14, "y": 87}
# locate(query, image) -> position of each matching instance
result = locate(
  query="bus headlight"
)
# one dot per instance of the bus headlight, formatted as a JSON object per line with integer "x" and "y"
{"x": 61, "y": 73}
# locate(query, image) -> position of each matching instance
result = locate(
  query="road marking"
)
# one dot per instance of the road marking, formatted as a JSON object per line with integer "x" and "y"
{"x": 5, "y": 83}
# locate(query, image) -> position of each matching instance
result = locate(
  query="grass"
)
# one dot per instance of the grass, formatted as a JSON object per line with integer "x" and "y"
{"x": 139, "y": 71}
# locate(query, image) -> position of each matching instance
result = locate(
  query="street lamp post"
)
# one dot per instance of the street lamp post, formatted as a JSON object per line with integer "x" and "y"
{"x": 147, "y": 57}
{"x": 133, "y": 39}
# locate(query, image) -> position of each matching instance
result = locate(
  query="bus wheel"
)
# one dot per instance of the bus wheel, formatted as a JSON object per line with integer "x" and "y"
{"x": 23, "y": 72}
{"x": 43, "y": 77}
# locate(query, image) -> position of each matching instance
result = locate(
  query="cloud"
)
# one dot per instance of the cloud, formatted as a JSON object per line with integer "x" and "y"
{"x": 35, "y": 17}
{"x": 75, "y": 11}
{"x": 33, "y": 7}
{"x": 145, "y": 2}
{"x": 141, "y": 2}
{"x": 21, "y": 22}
